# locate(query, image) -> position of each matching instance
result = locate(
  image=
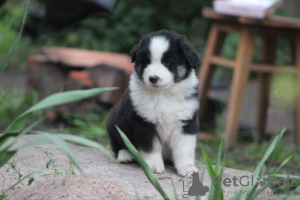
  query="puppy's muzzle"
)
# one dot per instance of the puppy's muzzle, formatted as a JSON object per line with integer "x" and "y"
{"x": 154, "y": 79}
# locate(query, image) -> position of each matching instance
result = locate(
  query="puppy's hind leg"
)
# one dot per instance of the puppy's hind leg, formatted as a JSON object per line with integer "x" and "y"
{"x": 124, "y": 156}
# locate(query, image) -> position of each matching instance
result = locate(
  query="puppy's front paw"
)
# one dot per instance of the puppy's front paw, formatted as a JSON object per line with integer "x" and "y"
{"x": 124, "y": 156}
{"x": 157, "y": 167}
{"x": 186, "y": 169}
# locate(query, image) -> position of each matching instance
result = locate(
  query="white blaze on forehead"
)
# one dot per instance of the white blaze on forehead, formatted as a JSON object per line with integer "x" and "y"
{"x": 158, "y": 46}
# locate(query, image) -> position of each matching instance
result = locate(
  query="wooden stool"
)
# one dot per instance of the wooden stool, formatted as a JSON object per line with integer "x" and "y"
{"x": 269, "y": 29}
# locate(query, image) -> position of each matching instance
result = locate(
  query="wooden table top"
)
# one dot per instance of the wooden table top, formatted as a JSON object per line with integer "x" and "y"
{"x": 270, "y": 21}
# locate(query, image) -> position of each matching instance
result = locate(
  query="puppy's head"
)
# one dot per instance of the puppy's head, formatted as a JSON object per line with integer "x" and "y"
{"x": 163, "y": 58}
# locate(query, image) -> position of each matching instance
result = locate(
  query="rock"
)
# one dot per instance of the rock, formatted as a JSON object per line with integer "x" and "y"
{"x": 72, "y": 187}
{"x": 95, "y": 164}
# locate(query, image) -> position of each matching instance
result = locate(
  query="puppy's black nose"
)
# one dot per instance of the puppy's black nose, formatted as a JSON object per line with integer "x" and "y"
{"x": 153, "y": 79}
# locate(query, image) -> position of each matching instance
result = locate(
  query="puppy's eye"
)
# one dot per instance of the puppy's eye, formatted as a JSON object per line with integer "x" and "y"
{"x": 166, "y": 62}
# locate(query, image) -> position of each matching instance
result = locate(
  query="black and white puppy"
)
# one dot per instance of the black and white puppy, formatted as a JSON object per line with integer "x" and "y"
{"x": 158, "y": 112}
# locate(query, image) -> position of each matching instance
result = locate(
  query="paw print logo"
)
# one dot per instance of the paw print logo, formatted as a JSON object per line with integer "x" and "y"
{"x": 261, "y": 181}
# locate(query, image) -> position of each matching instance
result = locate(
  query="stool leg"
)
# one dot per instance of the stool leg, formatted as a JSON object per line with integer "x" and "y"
{"x": 213, "y": 47}
{"x": 297, "y": 60}
{"x": 240, "y": 77}
{"x": 264, "y": 85}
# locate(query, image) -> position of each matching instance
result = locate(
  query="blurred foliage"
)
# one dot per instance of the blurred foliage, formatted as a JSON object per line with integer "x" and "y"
{"x": 130, "y": 20}
{"x": 8, "y": 12}
{"x": 13, "y": 102}
{"x": 247, "y": 155}
{"x": 284, "y": 90}
{"x": 90, "y": 126}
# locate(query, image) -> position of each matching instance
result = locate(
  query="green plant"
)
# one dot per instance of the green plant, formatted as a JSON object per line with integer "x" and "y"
{"x": 14, "y": 47}
{"x": 15, "y": 101}
{"x": 143, "y": 164}
{"x": 216, "y": 192}
{"x": 90, "y": 126}
{"x": 131, "y": 19}
{"x": 14, "y": 130}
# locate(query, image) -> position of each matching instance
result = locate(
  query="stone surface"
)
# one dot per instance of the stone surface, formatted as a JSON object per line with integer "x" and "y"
{"x": 96, "y": 164}
{"x": 72, "y": 187}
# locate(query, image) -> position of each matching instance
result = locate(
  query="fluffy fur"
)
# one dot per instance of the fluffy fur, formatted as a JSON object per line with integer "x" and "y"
{"x": 158, "y": 112}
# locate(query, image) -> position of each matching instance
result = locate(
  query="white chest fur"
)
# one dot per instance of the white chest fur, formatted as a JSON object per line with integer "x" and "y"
{"x": 166, "y": 107}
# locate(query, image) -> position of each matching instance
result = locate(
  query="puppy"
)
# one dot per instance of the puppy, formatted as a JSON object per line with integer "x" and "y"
{"x": 158, "y": 112}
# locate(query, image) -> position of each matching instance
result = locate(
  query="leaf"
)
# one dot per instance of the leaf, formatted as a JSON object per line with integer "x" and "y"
{"x": 86, "y": 142}
{"x": 268, "y": 153}
{"x": 4, "y": 138}
{"x": 54, "y": 100}
{"x": 3, "y": 96}
{"x": 284, "y": 176}
{"x": 6, "y": 29}
{"x": 283, "y": 163}
{"x": 137, "y": 197}
{"x": 143, "y": 164}
{"x": 25, "y": 131}
{"x": 219, "y": 157}
{"x": 20, "y": 181}
{"x": 62, "y": 145}
{"x": 238, "y": 195}
{"x": 256, "y": 192}
{"x": 258, "y": 168}
{"x": 30, "y": 181}
{"x": 174, "y": 190}
{"x": 214, "y": 191}
{"x": 14, "y": 47}
{"x": 5, "y": 156}
{"x": 37, "y": 142}
{"x": 201, "y": 179}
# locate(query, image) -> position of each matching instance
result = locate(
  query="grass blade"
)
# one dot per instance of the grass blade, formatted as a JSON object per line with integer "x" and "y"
{"x": 54, "y": 100}
{"x": 201, "y": 179}
{"x": 20, "y": 181}
{"x": 215, "y": 190}
{"x": 285, "y": 176}
{"x": 143, "y": 164}
{"x": 269, "y": 151}
{"x": 14, "y": 47}
{"x": 174, "y": 189}
{"x": 137, "y": 197}
{"x": 6, "y": 29}
{"x": 5, "y": 155}
{"x": 25, "y": 131}
{"x": 37, "y": 142}
{"x": 208, "y": 163}
{"x": 62, "y": 145}
{"x": 253, "y": 194}
{"x": 238, "y": 195}
{"x": 86, "y": 142}
{"x": 219, "y": 157}
{"x": 283, "y": 163}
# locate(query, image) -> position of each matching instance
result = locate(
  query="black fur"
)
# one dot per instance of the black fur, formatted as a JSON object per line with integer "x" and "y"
{"x": 139, "y": 131}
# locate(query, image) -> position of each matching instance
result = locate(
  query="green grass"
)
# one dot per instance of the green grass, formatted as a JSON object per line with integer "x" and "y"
{"x": 90, "y": 126}
{"x": 262, "y": 168}
{"x": 246, "y": 156}
{"x": 13, "y": 102}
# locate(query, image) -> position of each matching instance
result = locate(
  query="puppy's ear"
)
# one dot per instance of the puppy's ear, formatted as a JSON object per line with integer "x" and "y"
{"x": 189, "y": 53}
{"x": 133, "y": 52}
